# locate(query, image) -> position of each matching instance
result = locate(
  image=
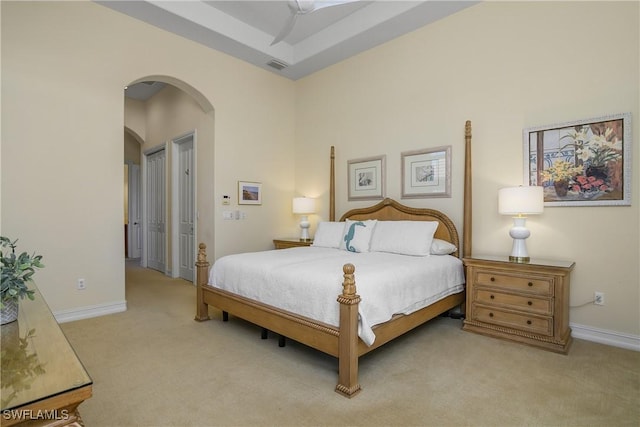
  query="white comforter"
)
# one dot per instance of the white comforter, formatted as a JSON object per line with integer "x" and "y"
{"x": 307, "y": 281}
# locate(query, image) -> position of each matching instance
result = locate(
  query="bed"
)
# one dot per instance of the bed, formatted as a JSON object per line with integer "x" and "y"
{"x": 352, "y": 327}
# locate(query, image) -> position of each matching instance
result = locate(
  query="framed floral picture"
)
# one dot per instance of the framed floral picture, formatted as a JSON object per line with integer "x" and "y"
{"x": 426, "y": 173}
{"x": 249, "y": 193}
{"x": 366, "y": 178}
{"x": 581, "y": 163}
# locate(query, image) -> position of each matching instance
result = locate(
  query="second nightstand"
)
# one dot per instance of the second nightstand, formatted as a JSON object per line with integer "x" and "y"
{"x": 524, "y": 302}
{"x": 290, "y": 243}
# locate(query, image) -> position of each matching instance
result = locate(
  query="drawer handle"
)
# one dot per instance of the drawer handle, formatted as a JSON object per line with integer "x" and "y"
{"x": 493, "y": 279}
{"x": 530, "y": 283}
{"x": 528, "y": 322}
{"x": 490, "y": 314}
{"x": 529, "y": 303}
{"x": 492, "y": 297}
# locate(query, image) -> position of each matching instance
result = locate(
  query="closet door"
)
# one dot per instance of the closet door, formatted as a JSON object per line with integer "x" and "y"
{"x": 186, "y": 207}
{"x": 156, "y": 210}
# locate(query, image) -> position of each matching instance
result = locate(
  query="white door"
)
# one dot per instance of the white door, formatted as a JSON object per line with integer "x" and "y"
{"x": 135, "y": 214}
{"x": 186, "y": 207}
{"x": 156, "y": 210}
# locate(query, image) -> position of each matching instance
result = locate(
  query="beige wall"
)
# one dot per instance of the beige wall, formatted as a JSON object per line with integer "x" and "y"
{"x": 132, "y": 148}
{"x": 64, "y": 68}
{"x": 135, "y": 119}
{"x": 1, "y": 233}
{"x": 505, "y": 66}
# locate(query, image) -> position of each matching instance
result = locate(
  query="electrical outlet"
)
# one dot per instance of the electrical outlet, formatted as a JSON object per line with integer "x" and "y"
{"x": 81, "y": 284}
{"x": 598, "y": 298}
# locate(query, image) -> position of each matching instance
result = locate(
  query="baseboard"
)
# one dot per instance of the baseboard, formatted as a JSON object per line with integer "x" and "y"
{"x": 90, "y": 311}
{"x": 603, "y": 336}
{"x": 588, "y": 333}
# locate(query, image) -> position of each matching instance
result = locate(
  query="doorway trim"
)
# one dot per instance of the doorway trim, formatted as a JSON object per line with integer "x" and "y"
{"x": 134, "y": 203}
{"x": 175, "y": 201}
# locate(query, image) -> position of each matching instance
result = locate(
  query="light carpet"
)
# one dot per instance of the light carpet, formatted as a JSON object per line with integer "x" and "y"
{"x": 153, "y": 365}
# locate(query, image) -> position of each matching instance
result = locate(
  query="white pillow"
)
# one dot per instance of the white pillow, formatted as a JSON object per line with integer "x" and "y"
{"x": 357, "y": 235}
{"x": 442, "y": 247}
{"x": 328, "y": 234}
{"x": 404, "y": 237}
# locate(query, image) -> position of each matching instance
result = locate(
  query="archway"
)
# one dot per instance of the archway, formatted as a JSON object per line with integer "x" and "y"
{"x": 185, "y": 110}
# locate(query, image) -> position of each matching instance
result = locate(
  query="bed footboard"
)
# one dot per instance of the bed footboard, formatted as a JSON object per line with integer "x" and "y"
{"x": 342, "y": 342}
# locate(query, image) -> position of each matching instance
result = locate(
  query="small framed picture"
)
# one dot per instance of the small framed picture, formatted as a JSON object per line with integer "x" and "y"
{"x": 249, "y": 193}
{"x": 581, "y": 163}
{"x": 426, "y": 173}
{"x": 366, "y": 178}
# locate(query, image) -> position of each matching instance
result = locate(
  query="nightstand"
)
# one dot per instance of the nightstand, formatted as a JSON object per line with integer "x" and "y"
{"x": 290, "y": 243}
{"x": 523, "y": 302}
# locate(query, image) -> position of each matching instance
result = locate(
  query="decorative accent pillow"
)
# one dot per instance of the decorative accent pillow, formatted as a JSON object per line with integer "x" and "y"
{"x": 442, "y": 247}
{"x": 404, "y": 237}
{"x": 328, "y": 234}
{"x": 357, "y": 235}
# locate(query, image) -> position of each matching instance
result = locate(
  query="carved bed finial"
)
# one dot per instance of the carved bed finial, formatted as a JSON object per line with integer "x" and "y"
{"x": 349, "y": 284}
{"x": 202, "y": 253}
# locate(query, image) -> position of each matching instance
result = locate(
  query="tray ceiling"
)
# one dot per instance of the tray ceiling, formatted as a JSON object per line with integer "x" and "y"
{"x": 246, "y": 29}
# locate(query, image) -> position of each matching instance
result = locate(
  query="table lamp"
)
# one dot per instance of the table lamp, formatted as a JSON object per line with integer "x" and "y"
{"x": 303, "y": 206}
{"x": 520, "y": 202}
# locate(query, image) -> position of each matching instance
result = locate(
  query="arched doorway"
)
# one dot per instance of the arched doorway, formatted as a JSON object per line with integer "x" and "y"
{"x": 171, "y": 122}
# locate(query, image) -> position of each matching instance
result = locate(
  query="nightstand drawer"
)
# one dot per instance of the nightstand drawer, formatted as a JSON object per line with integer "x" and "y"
{"x": 541, "y": 325}
{"x": 514, "y": 282}
{"x": 526, "y": 303}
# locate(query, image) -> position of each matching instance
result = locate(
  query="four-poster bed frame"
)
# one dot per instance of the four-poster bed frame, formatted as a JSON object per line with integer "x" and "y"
{"x": 343, "y": 341}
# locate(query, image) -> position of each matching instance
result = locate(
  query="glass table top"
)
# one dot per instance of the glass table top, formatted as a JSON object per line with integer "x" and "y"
{"x": 37, "y": 360}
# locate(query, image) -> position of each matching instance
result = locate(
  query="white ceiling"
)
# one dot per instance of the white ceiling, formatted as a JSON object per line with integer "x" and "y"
{"x": 245, "y": 29}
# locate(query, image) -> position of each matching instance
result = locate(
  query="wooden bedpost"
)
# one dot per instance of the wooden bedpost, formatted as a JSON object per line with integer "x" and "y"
{"x": 332, "y": 186}
{"x": 202, "y": 276}
{"x": 348, "y": 340}
{"x": 467, "y": 206}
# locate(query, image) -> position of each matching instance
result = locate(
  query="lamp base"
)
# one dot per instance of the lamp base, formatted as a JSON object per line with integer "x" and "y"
{"x": 304, "y": 229}
{"x": 519, "y": 233}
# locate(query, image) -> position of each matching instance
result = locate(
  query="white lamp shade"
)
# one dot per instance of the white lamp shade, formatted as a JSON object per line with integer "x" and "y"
{"x": 304, "y": 205}
{"x": 523, "y": 200}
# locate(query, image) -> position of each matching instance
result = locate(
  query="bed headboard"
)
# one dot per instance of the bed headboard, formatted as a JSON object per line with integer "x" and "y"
{"x": 390, "y": 210}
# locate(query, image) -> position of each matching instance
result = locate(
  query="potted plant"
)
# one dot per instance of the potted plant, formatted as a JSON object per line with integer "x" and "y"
{"x": 17, "y": 270}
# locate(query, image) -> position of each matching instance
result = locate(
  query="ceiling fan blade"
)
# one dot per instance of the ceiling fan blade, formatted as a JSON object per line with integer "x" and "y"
{"x": 328, "y": 3}
{"x": 303, "y": 7}
{"x": 288, "y": 26}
